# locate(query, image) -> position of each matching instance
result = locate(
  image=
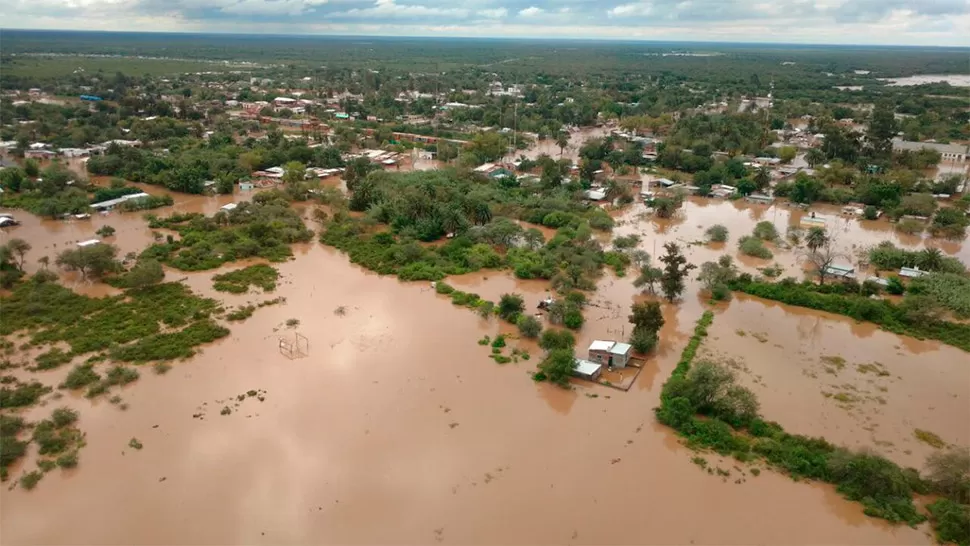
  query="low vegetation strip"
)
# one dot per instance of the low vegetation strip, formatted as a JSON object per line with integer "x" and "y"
{"x": 704, "y": 404}
{"x": 911, "y": 317}
{"x": 238, "y": 282}
{"x": 129, "y": 327}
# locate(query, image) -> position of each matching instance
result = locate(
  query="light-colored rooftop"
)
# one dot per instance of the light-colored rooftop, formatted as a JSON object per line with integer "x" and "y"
{"x": 586, "y": 367}
{"x": 601, "y": 345}
{"x": 621, "y": 348}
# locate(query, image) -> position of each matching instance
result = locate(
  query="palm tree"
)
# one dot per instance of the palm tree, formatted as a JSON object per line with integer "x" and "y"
{"x": 762, "y": 178}
{"x": 930, "y": 259}
{"x": 562, "y": 140}
{"x": 816, "y": 238}
{"x": 482, "y": 212}
{"x": 814, "y": 157}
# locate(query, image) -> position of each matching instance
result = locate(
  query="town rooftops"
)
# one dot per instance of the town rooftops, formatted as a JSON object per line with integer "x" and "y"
{"x": 666, "y": 182}
{"x": 601, "y": 345}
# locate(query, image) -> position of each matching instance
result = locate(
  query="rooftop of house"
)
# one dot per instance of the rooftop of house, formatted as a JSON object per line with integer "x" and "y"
{"x": 601, "y": 345}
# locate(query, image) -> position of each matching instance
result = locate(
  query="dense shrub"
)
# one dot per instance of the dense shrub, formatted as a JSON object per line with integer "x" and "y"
{"x": 529, "y": 326}
{"x": 238, "y": 282}
{"x": 716, "y": 233}
{"x": 752, "y": 246}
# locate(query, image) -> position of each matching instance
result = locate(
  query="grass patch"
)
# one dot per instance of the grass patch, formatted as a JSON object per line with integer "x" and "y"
{"x": 135, "y": 444}
{"x": 80, "y": 376}
{"x": 929, "y": 438}
{"x": 238, "y": 282}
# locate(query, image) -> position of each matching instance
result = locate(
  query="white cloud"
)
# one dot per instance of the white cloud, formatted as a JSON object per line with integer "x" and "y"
{"x": 531, "y": 11}
{"x": 494, "y": 13}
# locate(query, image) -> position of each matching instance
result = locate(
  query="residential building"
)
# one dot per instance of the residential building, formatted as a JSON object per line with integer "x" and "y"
{"x": 610, "y": 353}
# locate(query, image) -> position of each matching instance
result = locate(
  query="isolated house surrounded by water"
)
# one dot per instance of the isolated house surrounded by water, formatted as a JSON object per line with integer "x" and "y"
{"x": 585, "y": 369}
{"x": 610, "y": 353}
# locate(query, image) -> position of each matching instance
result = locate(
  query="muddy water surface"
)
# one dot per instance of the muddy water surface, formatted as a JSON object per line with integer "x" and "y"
{"x": 397, "y": 414}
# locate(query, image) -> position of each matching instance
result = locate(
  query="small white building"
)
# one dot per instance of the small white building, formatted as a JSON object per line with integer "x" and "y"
{"x": 89, "y": 243}
{"x": 229, "y": 207}
{"x": 584, "y": 369}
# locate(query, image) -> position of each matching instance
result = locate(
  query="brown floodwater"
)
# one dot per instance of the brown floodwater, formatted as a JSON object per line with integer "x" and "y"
{"x": 397, "y": 415}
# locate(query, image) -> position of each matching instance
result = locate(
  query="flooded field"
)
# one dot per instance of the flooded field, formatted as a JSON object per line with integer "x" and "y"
{"x": 397, "y": 415}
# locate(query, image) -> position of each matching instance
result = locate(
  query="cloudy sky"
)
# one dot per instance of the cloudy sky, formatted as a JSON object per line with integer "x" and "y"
{"x": 908, "y": 22}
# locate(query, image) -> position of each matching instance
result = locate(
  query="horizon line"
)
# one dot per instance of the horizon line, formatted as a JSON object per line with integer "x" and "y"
{"x": 497, "y": 38}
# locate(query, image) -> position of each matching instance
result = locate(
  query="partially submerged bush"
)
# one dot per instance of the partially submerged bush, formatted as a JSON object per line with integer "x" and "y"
{"x": 716, "y": 234}
{"x": 752, "y": 246}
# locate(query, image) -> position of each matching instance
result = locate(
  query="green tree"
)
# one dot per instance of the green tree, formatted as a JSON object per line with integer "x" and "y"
{"x": 675, "y": 271}
{"x": 762, "y": 178}
{"x": 488, "y": 146}
{"x": 91, "y": 261}
{"x": 558, "y": 366}
{"x": 357, "y": 170}
{"x": 647, "y": 316}
{"x": 562, "y": 140}
{"x": 146, "y": 272}
{"x": 510, "y": 306}
{"x": 787, "y": 153}
{"x": 20, "y": 248}
{"x": 552, "y": 339}
{"x": 294, "y": 172}
{"x": 32, "y": 168}
{"x": 816, "y": 238}
{"x": 815, "y": 157}
{"x": 529, "y": 326}
{"x": 882, "y": 128}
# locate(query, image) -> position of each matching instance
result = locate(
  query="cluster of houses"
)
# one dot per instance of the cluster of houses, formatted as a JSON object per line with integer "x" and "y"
{"x": 42, "y": 150}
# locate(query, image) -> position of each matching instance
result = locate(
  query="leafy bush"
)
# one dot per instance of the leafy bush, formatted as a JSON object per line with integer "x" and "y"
{"x": 895, "y": 286}
{"x": 81, "y": 376}
{"x": 951, "y": 521}
{"x": 717, "y": 233}
{"x": 557, "y": 339}
{"x": 949, "y": 289}
{"x": 765, "y": 231}
{"x": 510, "y": 307}
{"x": 886, "y": 255}
{"x": 529, "y": 326}
{"x": 752, "y": 246}
{"x": 238, "y": 282}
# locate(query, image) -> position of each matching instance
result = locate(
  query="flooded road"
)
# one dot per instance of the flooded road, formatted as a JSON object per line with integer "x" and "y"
{"x": 398, "y": 416}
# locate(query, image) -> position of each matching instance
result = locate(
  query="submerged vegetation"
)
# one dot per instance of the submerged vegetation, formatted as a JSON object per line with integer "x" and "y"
{"x": 128, "y": 328}
{"x": 917, "y": 316}
{"x": 704, "y": 404}
{"x": 264, "y": 228}
{"x": 238, "y": 282}
{"x": 477, "y": 220}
